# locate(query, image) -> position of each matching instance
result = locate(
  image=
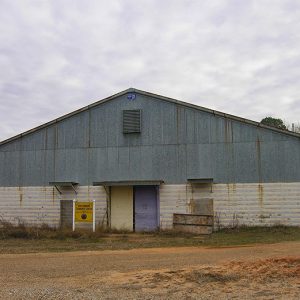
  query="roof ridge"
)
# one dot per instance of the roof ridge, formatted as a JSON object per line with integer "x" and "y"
{"x": 148, "y": 94}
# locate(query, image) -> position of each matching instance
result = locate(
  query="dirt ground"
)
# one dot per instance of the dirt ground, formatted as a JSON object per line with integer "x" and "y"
{"x": 250, "y": 272}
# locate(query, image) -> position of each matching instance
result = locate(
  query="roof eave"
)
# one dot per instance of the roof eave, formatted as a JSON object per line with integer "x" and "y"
{"x": 218, "y": 113}
{"x": 65, "y": 116}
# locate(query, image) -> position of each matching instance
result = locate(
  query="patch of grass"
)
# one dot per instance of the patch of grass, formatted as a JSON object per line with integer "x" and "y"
{"x": 22, "y": 231}
{"x": 24, "y": 239}
{"x": 253, "y": 235}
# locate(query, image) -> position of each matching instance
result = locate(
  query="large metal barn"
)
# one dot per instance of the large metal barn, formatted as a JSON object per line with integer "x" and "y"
{"x": 145, "y": 157}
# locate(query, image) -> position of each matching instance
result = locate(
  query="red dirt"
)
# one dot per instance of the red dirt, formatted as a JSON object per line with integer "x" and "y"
{"x": 257, "y": 272}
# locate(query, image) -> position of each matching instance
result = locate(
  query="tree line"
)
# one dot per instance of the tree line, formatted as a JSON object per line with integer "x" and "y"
{"x": 278, "y": 123}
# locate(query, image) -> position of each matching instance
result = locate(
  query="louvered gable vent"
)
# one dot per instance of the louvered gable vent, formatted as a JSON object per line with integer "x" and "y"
{"x": 132, "y": 121}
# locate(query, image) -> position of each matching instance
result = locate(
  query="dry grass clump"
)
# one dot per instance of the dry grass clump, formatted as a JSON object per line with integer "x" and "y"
{"x": 210, "y": 276}
{"x": 44, "y": 231}
{"x": 25, "y": 231}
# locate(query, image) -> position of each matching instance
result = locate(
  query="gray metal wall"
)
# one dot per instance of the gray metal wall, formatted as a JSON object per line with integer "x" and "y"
{"x": 177, "y": 142}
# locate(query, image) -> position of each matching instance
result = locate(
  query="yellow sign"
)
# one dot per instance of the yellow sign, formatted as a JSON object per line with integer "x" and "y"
{"x": 84, "y": 212}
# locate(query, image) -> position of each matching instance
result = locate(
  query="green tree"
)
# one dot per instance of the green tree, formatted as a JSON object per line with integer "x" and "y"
{"x": 274, "y": 122}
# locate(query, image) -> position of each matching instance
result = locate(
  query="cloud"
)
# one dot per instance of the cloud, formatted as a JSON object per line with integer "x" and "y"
{"x": 240, "y": 57}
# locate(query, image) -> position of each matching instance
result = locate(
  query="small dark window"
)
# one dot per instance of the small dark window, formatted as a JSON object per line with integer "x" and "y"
{"x": 132, "y": 121}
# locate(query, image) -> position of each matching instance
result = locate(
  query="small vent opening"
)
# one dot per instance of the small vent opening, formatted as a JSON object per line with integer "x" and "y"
{"x": 132, "y": 121}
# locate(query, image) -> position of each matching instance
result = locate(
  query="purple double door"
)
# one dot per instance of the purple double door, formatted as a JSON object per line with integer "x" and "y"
{"x": 145, "y": 208}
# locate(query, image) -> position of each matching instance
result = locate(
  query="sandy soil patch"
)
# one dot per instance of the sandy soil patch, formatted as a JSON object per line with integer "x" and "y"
{"x": 257, "y": 272}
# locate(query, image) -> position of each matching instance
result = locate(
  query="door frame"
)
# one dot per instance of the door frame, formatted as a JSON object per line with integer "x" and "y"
{"x": 108, "y": 197}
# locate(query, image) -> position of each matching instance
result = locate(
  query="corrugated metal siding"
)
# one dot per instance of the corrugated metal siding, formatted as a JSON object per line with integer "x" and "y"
{"x": 176, "y": 143}
{"x": 38, "y": 205}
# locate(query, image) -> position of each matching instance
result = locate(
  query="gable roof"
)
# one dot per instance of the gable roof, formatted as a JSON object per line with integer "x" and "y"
{"x": 147, "y": 94}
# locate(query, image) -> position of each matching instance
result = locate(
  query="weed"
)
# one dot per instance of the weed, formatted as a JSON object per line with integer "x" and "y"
{"x": 46, "y": 238}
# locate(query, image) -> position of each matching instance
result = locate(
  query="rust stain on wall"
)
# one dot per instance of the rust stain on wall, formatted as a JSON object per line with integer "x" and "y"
{"x": 260, "y": 190}
{"x": 228, "y": 191}
{"x": 53, "y": 195}
{"x": 228, "y": 132}
{"x": 177, "y": 122}
{"x": 233, "y": 186}
{"x": 258, "y": 150}
{"x": 231, "y": 189}
{"x": 192, "y": 206}
{"x": 20, "y": 195}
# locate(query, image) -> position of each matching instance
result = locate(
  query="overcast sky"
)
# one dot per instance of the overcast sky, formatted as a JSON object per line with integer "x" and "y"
{"x": 240, "y": 57}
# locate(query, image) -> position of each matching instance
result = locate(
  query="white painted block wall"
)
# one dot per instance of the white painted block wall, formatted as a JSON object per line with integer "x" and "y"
{"x": 234, "y": 204}
{"x": 41, "y": 205}
{"x": 254, "y": 204}
{"x": 257, "y": 204}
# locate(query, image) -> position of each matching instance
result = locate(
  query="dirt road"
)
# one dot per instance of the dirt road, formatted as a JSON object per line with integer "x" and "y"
{"x": 262, "y": 271}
